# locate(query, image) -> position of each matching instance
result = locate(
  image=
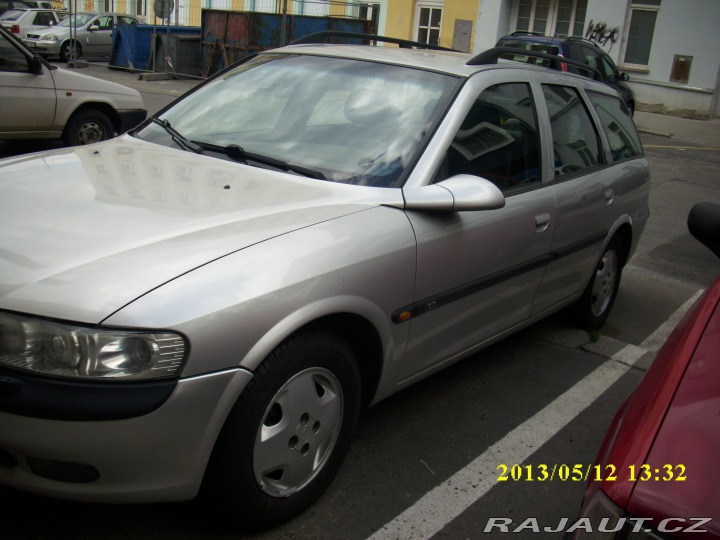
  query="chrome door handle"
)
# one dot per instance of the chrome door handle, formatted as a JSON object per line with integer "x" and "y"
{"x": 609, "y": 197}
{"x": 542, "y": 222}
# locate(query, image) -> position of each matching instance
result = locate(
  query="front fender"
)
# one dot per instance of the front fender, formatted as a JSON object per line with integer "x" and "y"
{"x": 238, "y": 308}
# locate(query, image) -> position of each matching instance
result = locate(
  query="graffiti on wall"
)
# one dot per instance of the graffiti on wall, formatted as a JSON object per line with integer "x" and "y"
{"x": 601, "y": 34}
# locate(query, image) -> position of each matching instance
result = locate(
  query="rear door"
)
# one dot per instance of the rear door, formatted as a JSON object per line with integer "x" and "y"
{"x": 588, "y": 190}
{"x": 28, "y": 99}
{"x": 478, "y": 271}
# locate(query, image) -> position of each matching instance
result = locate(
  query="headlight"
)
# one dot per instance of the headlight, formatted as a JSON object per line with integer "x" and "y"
{"x": 73, "y": 351}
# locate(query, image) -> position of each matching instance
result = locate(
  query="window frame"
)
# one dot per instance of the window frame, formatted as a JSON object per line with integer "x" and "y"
{"x": 552, "y": 19}
{"x": 640, "y": 5}
{"x": 432, "y": 5}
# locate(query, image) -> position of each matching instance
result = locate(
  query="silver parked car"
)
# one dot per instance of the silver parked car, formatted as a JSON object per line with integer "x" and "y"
{"x": 21, "y": 21}
{"x": 81, "y": 34}
{"x": 42, "y": 101}
{"x": 219, "y": 292}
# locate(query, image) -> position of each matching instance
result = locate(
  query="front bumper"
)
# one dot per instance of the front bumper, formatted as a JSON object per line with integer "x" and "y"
{"x": 43, "y": 47}
{"x": 159, "y": 456}
{"x": 130, "y": 119}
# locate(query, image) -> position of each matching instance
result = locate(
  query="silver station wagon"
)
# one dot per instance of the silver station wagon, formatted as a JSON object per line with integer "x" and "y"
{"x": 204, "y": 305}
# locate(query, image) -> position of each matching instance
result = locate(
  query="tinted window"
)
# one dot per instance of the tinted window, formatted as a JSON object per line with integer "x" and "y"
{"x": 498, "y": 139}
{"x": 575, "y": 142}
{"x": 618, "y": 126}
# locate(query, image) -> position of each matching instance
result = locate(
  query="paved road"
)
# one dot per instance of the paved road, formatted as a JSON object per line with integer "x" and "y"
{"x": 425, "y": 462}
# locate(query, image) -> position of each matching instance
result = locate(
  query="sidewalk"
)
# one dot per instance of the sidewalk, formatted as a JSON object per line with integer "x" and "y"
{"x": 703, "y": 133}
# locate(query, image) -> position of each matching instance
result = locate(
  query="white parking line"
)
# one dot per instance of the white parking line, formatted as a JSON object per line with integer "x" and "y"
{"x": 444, "y": 503}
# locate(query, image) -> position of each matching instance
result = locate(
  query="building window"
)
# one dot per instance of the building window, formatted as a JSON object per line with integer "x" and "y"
{"x": 640, "y": 32}
{"x": 428, "y": 26}
{"x": 140, "y": 8}
{"x": 551, "y": 17}
{"x": 370, "y": 11}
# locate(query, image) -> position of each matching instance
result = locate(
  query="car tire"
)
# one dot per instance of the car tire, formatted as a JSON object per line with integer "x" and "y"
{"x": 597, "y": 300}
{"x": 66, "y": 51}
{"x": 287, "y": 434}
{"x": 87, "y": 127}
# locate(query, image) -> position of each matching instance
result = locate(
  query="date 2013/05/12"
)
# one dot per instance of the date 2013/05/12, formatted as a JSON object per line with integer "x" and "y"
{"x": 595, "y": 473}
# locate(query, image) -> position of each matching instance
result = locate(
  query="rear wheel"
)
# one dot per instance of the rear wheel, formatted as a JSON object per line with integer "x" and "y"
{"x": 288, "y": 433}
{"x": 597, "y": 301}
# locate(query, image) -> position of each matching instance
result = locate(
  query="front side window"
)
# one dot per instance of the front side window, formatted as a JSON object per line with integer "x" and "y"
{"x": 11, "y": 59}
{"x": 347, "y": 121}
{"x": 498, "y": 140}
{"x": 576, "y": 146}
{"x": 640, "y": 32}
{"x": 618, "y": 126}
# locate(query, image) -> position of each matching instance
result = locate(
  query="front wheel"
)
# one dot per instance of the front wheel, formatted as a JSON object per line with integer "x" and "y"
{"x": 87, "y": 127}
{"x": 288, "y": 433}
{"x": 597, "y": 301}
{"x": 70, "y": 50}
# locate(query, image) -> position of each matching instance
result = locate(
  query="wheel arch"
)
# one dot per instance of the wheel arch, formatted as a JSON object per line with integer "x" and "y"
{"x": 105, "y": 108}
{"x": 625, "y": 235}
{"x": 359, "y": 328}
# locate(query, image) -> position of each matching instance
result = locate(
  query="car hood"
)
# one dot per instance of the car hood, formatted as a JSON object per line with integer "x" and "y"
{"x": 88, "y": 230}
{"x": 86, "y": 87}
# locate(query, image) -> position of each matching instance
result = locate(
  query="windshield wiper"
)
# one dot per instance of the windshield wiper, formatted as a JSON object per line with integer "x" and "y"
{"x": 238, "y": 153}
{"x": 181, "y": 141}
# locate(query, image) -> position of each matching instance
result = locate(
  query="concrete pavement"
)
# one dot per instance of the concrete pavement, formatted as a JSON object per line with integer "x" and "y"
{"x": 701, "y": 133}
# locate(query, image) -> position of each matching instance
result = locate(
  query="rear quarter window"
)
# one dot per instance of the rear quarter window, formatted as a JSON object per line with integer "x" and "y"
{"x": 618, "y": 126}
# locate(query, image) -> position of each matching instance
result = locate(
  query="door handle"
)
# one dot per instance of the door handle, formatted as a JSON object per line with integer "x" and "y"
{"x": 542, "y": 222}
{"x": 609, "y": 197}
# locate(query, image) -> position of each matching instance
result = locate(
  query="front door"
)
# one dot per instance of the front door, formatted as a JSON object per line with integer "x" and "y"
{"x": 478, "y": 272}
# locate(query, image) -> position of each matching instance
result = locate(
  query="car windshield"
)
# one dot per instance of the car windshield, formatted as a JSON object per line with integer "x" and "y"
{"x": 78, "y": 20}
{"x": 342, "y": 120}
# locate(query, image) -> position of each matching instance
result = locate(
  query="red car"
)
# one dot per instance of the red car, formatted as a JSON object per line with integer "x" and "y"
{"x": 659, "y": 460}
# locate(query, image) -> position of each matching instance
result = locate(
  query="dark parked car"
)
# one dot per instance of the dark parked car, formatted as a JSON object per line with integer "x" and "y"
{"x": 580, "y": 50}
{"x": 659, "y": 459}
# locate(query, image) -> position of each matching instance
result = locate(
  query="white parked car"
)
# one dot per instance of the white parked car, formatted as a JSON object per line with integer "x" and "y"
{"x": 42, "y": 101}
{"x": 20, "y": 21}
{"x": 81, "y": 34}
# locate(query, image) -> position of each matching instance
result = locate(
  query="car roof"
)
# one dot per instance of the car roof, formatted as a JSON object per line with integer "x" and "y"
{"x": 443, "y": 61}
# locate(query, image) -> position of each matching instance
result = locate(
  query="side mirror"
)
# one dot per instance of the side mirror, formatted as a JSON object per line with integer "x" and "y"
{"x": 35, "y": 65}
{"x": 462, "y": 192}
{"x": 624, "y": 77}
{"x": 704, "y": 224}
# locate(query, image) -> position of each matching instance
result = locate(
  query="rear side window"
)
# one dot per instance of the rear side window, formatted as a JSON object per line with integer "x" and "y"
{"x": 618, "y": 126}
{"x": 498, "y": 140}
{"x": 576, "y": 145}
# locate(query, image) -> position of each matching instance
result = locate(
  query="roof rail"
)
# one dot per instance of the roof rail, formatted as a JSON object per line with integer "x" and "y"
{"x": 322, "y": 37}
{"x": 491, "y": 56}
